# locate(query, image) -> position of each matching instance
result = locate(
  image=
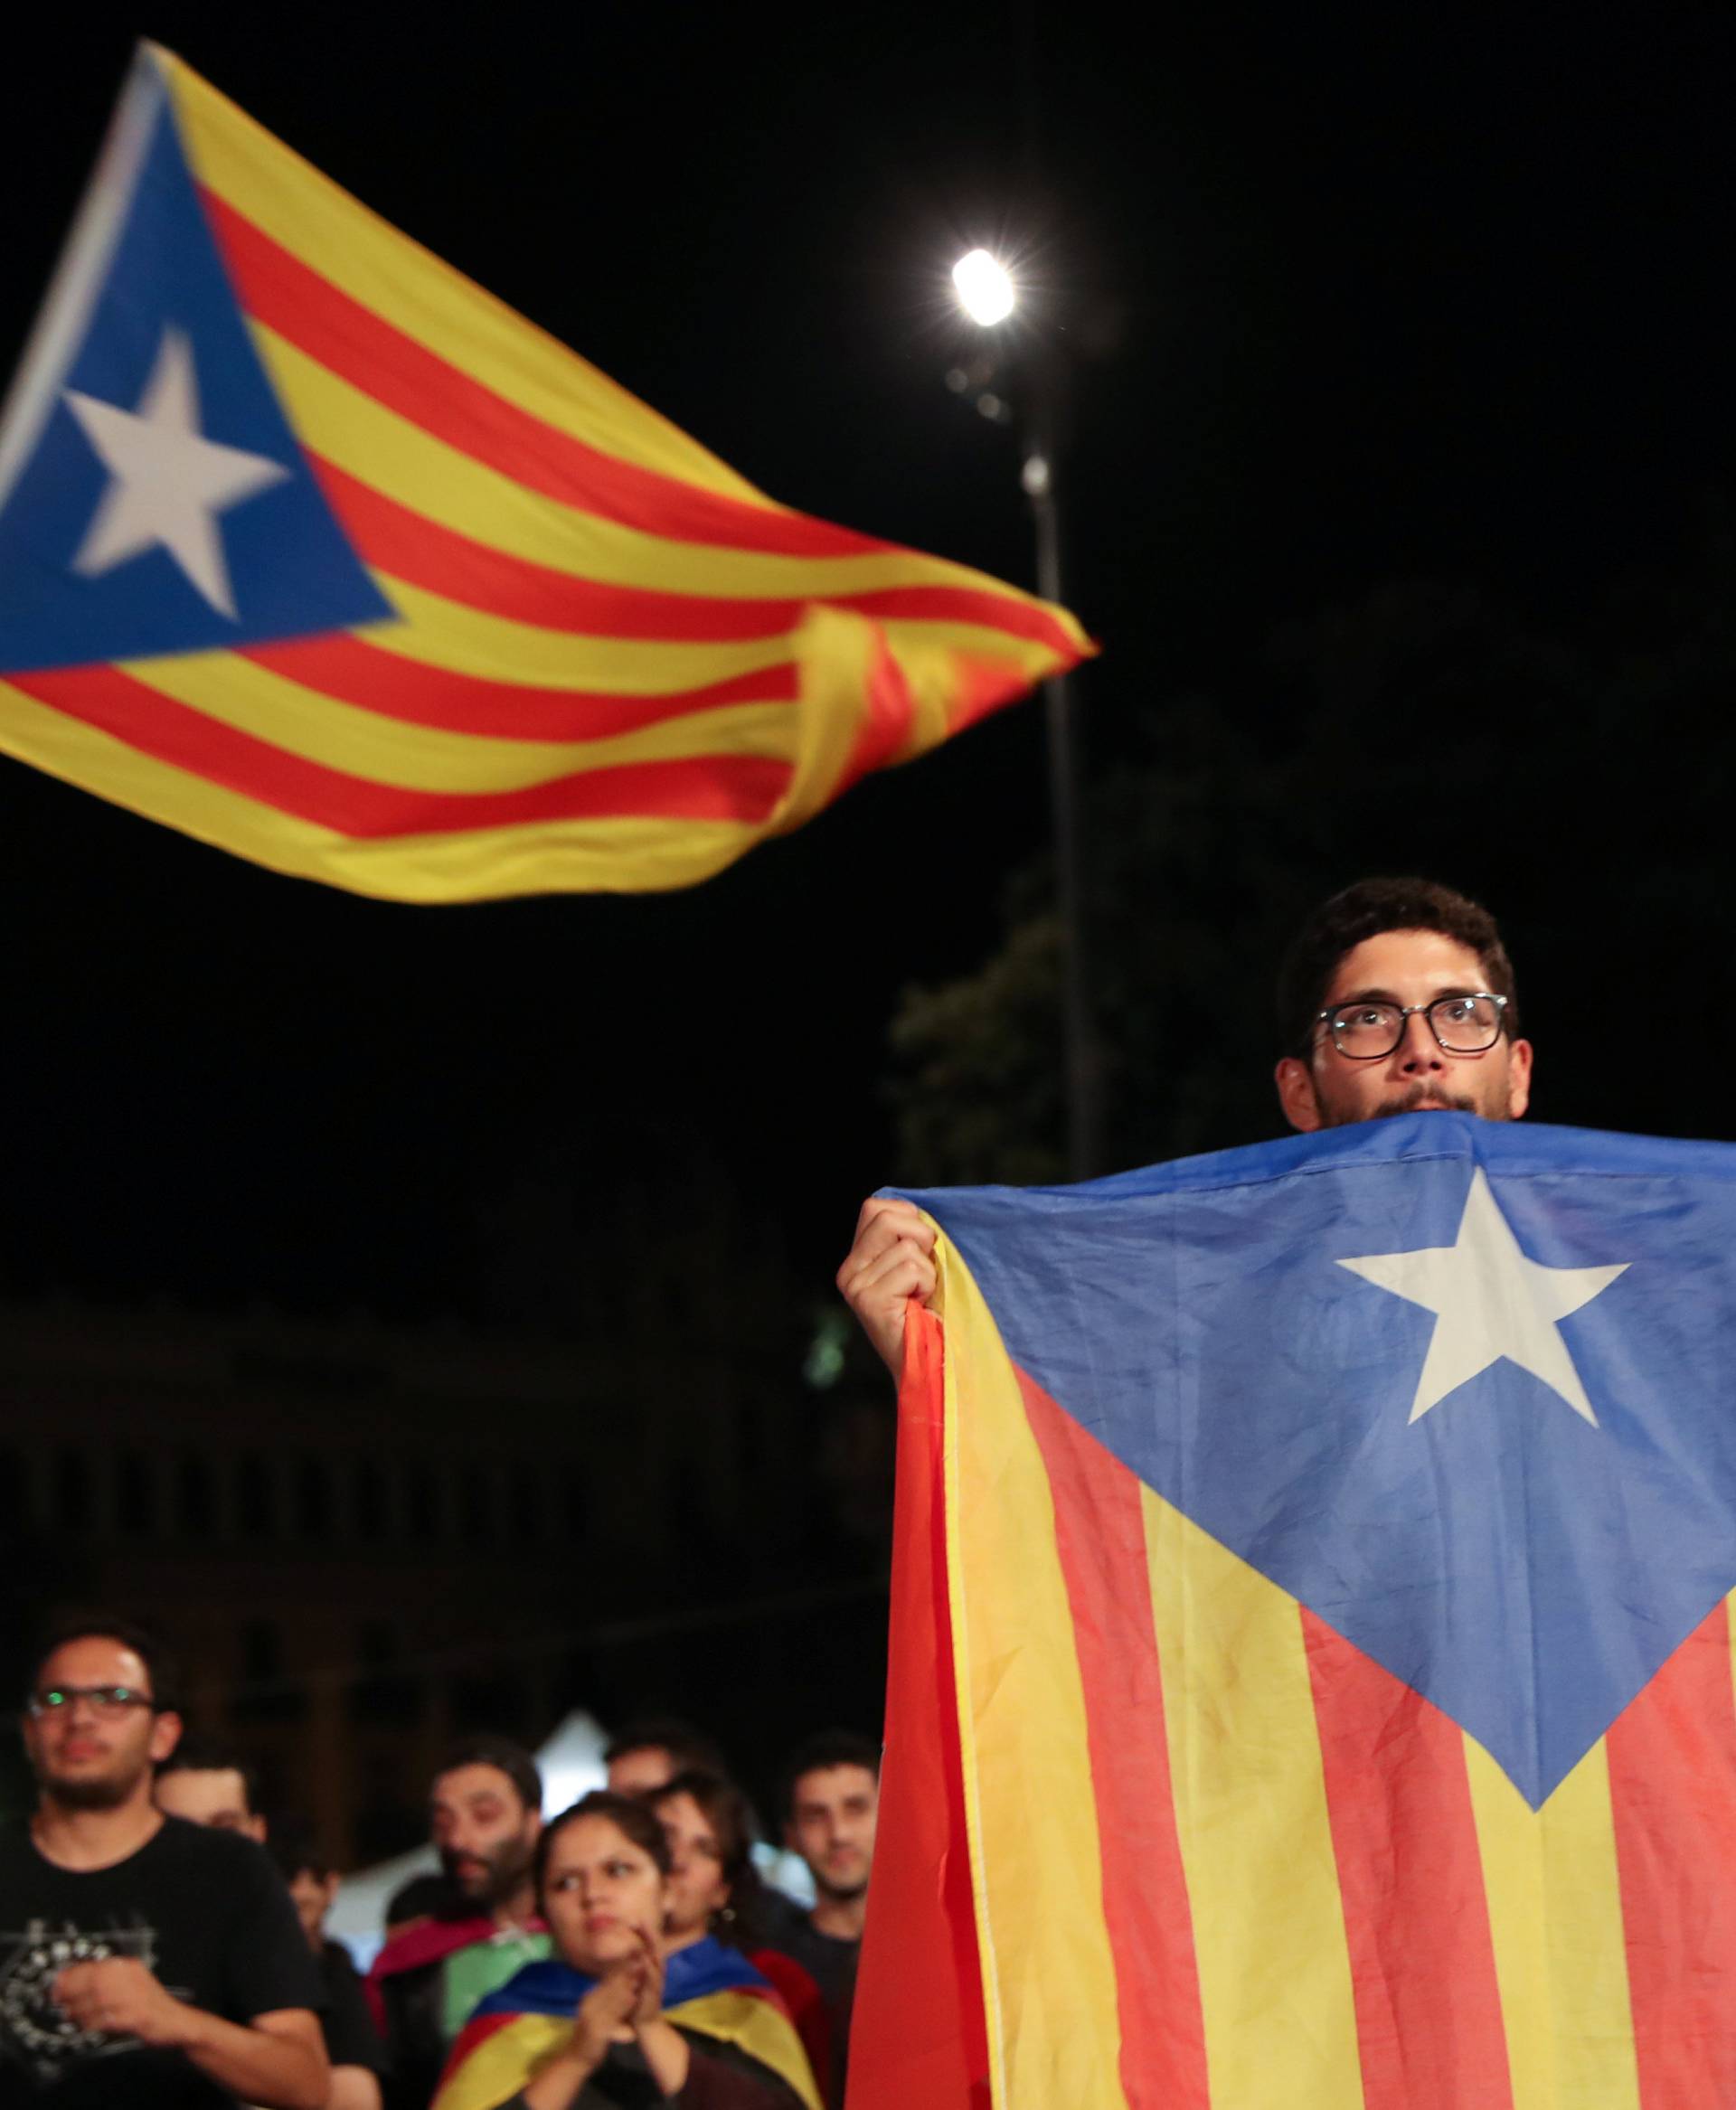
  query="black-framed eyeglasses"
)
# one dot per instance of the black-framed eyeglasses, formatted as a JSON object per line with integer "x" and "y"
{"x": 1462, "y": 1025}
{"x": 108, "y": 1701}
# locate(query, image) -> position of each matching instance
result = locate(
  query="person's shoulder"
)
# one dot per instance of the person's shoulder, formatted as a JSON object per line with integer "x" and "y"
{"x": 206, "y": 1846}
{"x": 336, "y": 1964}
{"x": 427, "y": 1943}
{"x": 17, "y": 1850}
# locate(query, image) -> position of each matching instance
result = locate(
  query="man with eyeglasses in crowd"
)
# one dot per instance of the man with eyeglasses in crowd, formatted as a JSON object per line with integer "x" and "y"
{"x": 144, "y": 1961}
{"x": 1396, "y": 997}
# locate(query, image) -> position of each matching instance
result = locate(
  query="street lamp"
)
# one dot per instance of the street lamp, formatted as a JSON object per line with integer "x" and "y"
{"x": 984, "y": 287}
{"x": 988, "y": 294}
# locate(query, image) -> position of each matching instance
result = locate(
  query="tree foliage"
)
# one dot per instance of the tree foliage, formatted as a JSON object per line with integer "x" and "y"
{"x": 1575, "y": 774}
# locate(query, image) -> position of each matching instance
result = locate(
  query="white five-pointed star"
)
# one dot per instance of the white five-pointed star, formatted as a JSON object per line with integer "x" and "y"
{"x": 167, "y": 482}
{"x": 1489, "y": 1301}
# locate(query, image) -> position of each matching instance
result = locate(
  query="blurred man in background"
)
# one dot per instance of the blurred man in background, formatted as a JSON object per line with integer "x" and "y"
{"x": 484, "y": 1817}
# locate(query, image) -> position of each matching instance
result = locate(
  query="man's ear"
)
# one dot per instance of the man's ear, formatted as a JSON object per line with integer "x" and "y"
{"x": 166, "y": 1734}
{"x": 1296, "y": 1095}
{"x": 1518, "y": 1078}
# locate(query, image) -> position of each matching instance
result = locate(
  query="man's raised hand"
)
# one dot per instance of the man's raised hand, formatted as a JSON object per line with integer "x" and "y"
{"x": 890, "y": 1261}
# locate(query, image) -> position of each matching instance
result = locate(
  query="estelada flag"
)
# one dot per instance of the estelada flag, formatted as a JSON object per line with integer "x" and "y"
{"x": 1313, "y": 1679}
{"x": 709, "y": 1989}
{"x": 314, "y": 550}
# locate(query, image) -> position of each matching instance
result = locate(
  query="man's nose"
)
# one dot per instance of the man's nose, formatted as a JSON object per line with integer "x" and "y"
{"x": 1419, "y": 1049}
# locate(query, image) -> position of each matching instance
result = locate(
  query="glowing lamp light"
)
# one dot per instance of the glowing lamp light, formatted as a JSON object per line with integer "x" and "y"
{"x": 984, "y": 287}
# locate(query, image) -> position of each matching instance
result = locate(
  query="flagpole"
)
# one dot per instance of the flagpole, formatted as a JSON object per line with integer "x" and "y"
{"x": 986, "y": 292}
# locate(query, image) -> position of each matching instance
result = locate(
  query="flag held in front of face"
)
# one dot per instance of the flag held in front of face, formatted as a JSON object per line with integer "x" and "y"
{"x": 316, "y": 552}
{"x": 1333, "y": 1603}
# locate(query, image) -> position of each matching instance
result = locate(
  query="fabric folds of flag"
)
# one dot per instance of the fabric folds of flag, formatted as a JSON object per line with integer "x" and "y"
{"x": 1312, "y": 1634}
{"x": 710, "y": 1991}
{"x": 314, "y": 550}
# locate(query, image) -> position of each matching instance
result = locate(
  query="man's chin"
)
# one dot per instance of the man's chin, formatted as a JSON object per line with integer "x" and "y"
{"x": 842, "y": 1893}
{"x": 91, "y": 1791}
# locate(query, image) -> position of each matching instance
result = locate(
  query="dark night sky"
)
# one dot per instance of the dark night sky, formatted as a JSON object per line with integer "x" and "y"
{"x": 1356, "y": 293}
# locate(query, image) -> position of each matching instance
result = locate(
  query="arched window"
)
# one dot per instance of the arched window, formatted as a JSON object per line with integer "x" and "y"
{"x": 476, "y": 1505}
{"x": 196, "y": 1497}
{"x": 15, "y": 1498}
{"x": 529, "y": 1505}
{"x": 75, "y": 1491}
{"x": 313, "y": 1499}
{"x": 255, "y": 1508}
{"x": 422, "y": 1493}
{"x": 135, "y": 1496}
{"x": 373, "y": 1503}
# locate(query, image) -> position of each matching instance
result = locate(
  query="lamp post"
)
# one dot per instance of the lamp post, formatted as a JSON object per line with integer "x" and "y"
{"x": 989, "y": 295}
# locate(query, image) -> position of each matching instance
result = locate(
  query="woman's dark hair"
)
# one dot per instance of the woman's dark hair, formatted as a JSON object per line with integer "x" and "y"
{"x": 729, "y": 1814}
{"x": 625, "y": 1812}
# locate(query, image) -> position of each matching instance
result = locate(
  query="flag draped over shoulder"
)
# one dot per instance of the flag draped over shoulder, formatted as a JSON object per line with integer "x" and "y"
{"x": 1313, "y": 1682}
{"x": 314, "y": 550}
{"x": 709, "y": 1989}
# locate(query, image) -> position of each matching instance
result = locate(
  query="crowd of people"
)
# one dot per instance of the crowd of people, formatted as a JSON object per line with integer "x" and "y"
{"x": 163, "y": 1939}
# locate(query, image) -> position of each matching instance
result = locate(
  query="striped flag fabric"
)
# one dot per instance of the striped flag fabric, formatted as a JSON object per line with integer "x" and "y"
{"x": 1313, "y": 1679}
{"x": 311, "y": 549}
{"x": 710, "y": 1991}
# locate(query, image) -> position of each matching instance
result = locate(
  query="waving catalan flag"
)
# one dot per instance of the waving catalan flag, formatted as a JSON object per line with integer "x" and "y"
{"x": 1313, "y": 1680}
{"x": 314, "y": 550}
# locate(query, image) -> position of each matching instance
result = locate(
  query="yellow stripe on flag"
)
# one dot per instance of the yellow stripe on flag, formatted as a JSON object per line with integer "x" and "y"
{"x": 412, "y": 289}
{"x": 1049, "y": 1975}
{"x": 1255, "y": 1842}
{"x": 1555, "y": 1918}
{"x": 418, "y": 757}
{"x": 392, "y": 453}
{"x": 627, "y": 851}
{"x": 444, "y": 633}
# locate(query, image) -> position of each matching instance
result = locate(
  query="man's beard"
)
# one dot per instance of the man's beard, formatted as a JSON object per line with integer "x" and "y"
{"x": 1422, "y": 1095}
{"x": 839, "y": 1893}
{"x": 91, "y": 1794}
{"x": 507, "y": 1867}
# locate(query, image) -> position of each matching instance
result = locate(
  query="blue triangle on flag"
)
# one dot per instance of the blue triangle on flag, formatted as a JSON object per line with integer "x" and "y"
{"x": 125, "y": 529}
{"x": 1525, "y": 1570}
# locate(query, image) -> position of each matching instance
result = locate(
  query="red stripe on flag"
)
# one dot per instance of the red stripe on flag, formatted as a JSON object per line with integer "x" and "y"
{"x": 355, "y": 672}
{"x": 725, "y": 788}
{"x": 1673, "y": 1793}
{"x": 399, "y": 371}
{"x": 405, "y": 544}
{"x": 397, "y": 540}
{"x": 888, "y": 710}
{"x": 918, "y": 2036}
{"x": 1410, "y": 1870}
{"x": 1100, "y": 1535}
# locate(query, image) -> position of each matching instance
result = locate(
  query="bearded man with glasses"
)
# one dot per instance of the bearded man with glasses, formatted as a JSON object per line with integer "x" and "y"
{"x": 144, "y": 1961}
{"x": 1398, "y": 995}
{"x": 1395, "y": 996}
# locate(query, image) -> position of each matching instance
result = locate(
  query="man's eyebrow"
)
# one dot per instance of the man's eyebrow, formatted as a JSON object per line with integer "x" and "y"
{"x": 1387, "y": 997}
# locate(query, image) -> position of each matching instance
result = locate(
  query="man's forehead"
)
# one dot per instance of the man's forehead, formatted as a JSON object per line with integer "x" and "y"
{"x": 825, "y": 1783}
{"x": 1405, "y": 962}
{"x": 464, "y": 1784}
{"x": 209, "y": 1780}
{"x": 96, "y": 1659}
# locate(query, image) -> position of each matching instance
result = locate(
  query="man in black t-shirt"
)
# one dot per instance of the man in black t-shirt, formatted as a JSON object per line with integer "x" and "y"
{"x": 144, "y": 1962}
